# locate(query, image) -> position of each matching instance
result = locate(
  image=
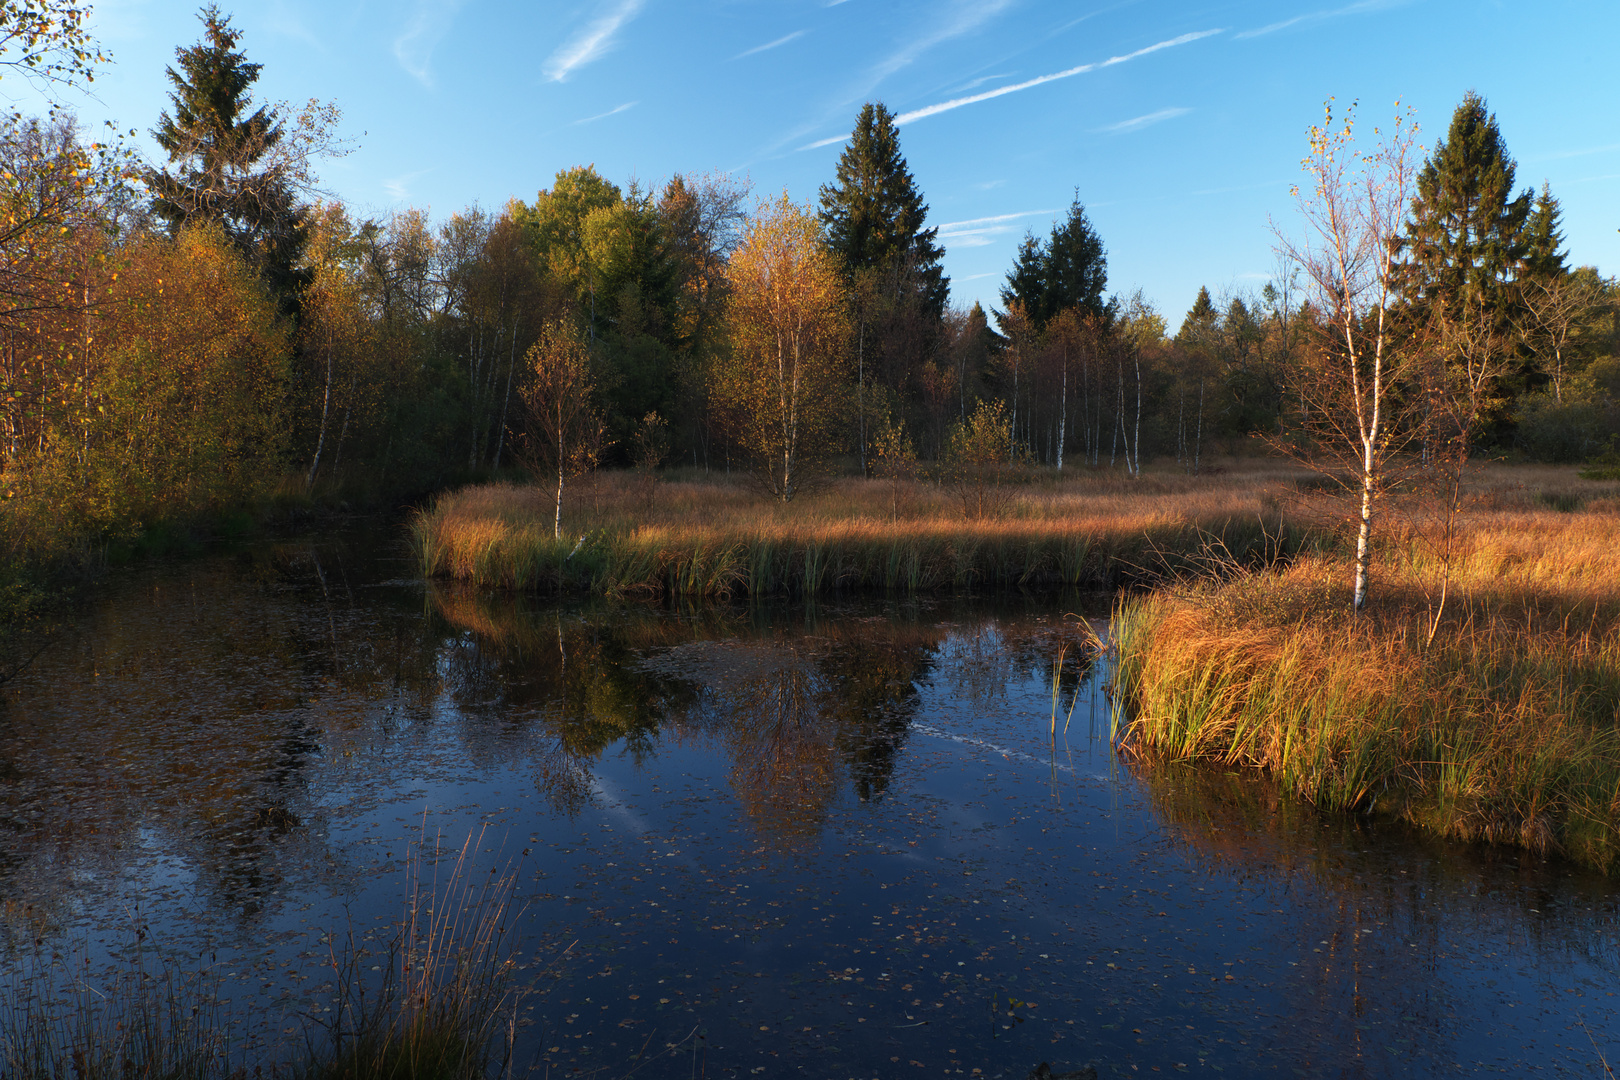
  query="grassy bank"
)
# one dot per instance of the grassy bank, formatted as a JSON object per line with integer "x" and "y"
{"x": 630, "y": 534}
{"x": 1504, "y": 727}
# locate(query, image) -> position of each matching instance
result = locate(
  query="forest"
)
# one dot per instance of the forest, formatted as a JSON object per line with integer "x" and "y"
{"x": 199, "y": 336}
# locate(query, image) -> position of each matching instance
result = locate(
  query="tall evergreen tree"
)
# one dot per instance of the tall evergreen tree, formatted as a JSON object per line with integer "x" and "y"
{"x": 1544, "y": 239}
{"x": 1069, "y": 269}
{"x": 224, "y": 153}
{"x": 1466, "y": 237}
{"x": 874, "y": 214}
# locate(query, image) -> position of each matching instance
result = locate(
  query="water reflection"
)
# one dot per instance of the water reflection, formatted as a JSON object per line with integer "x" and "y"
{"x": 840, "y": 838}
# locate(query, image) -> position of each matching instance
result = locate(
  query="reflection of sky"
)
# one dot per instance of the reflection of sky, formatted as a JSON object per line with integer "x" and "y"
{"x": 1128, "y": 919}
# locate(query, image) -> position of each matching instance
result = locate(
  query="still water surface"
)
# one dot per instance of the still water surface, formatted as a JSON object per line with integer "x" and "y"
{"x": 834, "y": 841}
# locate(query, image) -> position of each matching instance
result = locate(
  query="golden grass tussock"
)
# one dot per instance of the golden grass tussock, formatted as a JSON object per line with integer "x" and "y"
{"x": 1504, "y": 727}
{"x": 630, "y": 534}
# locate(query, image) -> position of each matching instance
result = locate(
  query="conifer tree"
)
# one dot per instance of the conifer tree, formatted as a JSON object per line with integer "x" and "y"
{"x": 874, "y": 214}
{"x": 1069, "y": 269}
{"x": 1466, "y": 237}
{"x": 1544, "y": 239}
{"x": 230, "y": 167}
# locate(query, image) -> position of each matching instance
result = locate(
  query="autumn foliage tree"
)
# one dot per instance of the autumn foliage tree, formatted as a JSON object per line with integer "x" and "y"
{"x": 1352, "y": 204}
{"x": 564, "y": 427}
{"x": 781, "y": 388}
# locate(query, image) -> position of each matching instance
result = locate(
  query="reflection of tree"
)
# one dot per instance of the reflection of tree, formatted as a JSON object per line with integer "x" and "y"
{"x": 183, "y": 719}
{"x": 1373, "y": 940}
{"x": 784, "y": 767}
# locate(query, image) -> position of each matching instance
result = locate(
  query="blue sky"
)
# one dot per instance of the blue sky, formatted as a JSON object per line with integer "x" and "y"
{"x": 1180, "y": 124}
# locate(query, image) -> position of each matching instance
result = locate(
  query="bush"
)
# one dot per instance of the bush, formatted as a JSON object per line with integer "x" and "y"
{"x": 1562, "y": 432}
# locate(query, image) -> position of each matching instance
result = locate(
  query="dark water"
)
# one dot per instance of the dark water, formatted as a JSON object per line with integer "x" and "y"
{"x": 831, "y": 842}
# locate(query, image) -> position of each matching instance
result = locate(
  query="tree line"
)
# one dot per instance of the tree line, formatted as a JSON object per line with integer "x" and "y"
{"x": 180, "y": 334}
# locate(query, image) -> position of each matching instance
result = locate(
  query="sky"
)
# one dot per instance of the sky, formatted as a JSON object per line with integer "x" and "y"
{"x": 1179, "y": 125}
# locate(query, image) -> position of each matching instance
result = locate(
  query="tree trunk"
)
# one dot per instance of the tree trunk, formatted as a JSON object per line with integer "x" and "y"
{"x": 326, "y": 409}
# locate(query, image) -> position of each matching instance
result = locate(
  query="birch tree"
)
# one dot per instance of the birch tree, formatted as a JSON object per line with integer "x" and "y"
{"x": 780, "y": 390}
{"x": 564, "y": 428}
{"x": 1352, "y": 204}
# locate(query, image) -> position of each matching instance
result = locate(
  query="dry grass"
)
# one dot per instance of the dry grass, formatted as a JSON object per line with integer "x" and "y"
{"x": 445, "y": 1008}
{"x": 628, "y": 534}
{"x": 1506, "y": 727}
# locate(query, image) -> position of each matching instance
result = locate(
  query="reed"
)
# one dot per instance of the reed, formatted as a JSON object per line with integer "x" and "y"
{"x": 715, "y": 538}
{"x": 1503, "y": 725}
{"x": 444, "y": 1008}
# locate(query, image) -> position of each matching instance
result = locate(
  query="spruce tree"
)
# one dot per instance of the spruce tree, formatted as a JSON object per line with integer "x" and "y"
{"x": 1466, "y": 238}
{"x": 874, "y": 214}
{"x": 223, "y": 152}
{"x": 1069, "y": 269}
{"x": 1544, "y": 239}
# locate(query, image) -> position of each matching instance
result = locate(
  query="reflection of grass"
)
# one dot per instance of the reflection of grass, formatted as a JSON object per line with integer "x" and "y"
{"x": 443, "y": 1008}
{"x": 716, "y": 538}
{"x": 1503, "y": 729}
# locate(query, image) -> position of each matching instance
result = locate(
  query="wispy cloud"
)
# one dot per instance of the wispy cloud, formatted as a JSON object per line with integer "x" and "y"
{"x": 1072, "y": 23}
{"x": 964, "y": 17}
{"x": 398, "y": 188}
{"x": 1574, "y": 153}
{"x": 280, "y": 20}
{"x": 1041, "y": 80}
{"x": 988, "y": 184}
{"x": 982, "y": 80}
{"x": 1137, "y": 123}
{"x": 1361, "y": 7}
{"x": 979, "y": 232}
{"x": 611, "y": 112}
{"x": 819, "y": 143}
{"x": 592, "y": 41}
{"x": 771, "y": 44}
{"x": 428, "y": 24}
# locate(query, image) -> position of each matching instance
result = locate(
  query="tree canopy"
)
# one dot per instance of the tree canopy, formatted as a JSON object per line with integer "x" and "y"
{"x": 1068, "y": 269}
{"x": 223, "y": 152}
{"x": 874, "y": 214}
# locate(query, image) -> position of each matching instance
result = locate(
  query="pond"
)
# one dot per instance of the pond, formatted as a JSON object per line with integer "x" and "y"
{"x": 841, "y": 840}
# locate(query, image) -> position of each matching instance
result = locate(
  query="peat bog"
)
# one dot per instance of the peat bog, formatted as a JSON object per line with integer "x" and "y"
{"x": 823, "y": 840}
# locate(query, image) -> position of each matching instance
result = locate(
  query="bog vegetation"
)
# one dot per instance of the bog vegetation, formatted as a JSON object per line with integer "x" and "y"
{"x": 683, "y": 388}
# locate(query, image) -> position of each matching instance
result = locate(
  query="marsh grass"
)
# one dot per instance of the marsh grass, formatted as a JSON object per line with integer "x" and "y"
{"x": 1505, "y": 727}
{"x": 445, "y": 1007}
{"x": 715, "y": 538}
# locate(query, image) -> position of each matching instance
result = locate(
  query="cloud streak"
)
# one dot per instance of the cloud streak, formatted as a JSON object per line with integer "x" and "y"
{"x": 779, "y": 42}
{"x": 1041, "y": 80}
{"x": 1137, "y": 123}
{"x": 592, "y": 42}
{"x": 414, "y": 46}
{"x": 611, "y": 112}
{"x": 980, "y": 232}
{"x": 1358, "y": 8}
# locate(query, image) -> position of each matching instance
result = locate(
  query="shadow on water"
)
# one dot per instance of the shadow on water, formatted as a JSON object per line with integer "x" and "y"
{"x": 832, "y": 840}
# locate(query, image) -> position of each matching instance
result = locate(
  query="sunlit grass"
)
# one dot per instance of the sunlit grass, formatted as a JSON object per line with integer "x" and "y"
{"x": 629, "y": 534}
{"x": 1504, "y": 727}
